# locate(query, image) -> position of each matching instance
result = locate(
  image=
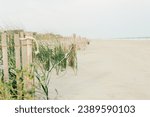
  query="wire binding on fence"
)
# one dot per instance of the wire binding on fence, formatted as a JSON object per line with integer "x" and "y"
{"x": 31, "y": 38}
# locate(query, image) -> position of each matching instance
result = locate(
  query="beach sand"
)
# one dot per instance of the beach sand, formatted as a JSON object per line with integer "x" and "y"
{"x": 108, "y": 69}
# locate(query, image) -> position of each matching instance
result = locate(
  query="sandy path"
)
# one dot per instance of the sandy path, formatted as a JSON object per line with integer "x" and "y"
{"x": 109, "y": 70}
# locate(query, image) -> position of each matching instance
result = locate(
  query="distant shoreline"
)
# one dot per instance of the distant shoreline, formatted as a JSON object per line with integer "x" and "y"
{"x": 128, "y": 38}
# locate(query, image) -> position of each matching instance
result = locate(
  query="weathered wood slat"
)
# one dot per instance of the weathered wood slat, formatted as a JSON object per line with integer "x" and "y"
{"x": 24, "y": 51}
{"x": 29, "y": 48}
{"x": 18, "y": 64}
{"x": 5, "y": 57}
{"x": 17, "y": 51}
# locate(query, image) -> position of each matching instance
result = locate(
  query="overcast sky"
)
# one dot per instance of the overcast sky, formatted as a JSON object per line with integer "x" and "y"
{"x": 90, "y": 18}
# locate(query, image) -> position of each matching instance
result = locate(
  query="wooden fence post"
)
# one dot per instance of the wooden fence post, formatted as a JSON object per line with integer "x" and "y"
{"x": 26, "y": 58}
{"x": 5, "y": 57}
{"x": 74, "y": 38}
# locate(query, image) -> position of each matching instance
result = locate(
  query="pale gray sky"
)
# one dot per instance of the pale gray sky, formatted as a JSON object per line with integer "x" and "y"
{"x": 90, "y": 18}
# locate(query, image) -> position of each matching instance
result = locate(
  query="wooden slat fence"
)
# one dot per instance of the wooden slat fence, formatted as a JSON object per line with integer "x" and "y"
{"x": 80, "y": 42}
{"x": 23, "y": 49}
{"x": 22, "y": 52}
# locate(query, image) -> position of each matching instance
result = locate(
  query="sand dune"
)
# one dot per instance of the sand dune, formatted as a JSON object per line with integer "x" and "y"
{"x": 109, "y": 69}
